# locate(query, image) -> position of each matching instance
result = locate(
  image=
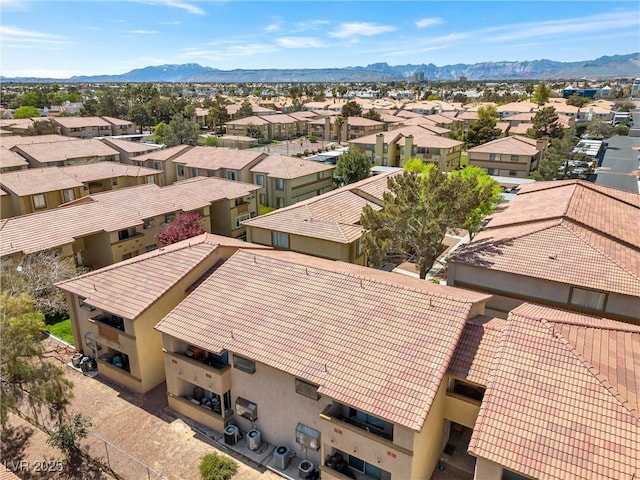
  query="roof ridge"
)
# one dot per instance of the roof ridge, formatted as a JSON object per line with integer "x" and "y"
{"x": 471, "y": 247}
{"x": 602, "y": 379}
{"x": 604, "y": 254}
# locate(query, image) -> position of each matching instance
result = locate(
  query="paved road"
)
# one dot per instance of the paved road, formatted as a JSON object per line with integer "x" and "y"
{"x": 620, "y": 165}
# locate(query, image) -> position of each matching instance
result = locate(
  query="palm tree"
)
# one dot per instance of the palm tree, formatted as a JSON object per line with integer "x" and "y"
{"x": 339, "y": 124}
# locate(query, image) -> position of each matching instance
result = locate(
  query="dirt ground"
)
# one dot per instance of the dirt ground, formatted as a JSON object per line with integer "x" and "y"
{"x": 140, "y": 425}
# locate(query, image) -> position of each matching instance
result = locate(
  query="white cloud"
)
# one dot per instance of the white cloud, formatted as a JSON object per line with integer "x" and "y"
{"x": 427, "y": 22}
{"x": 299, "y": 42}
{"x": 273, "y": 27}
{"x": 310, "y": 25}
{"x": 20, "y": 35}
{"x": 143, "y": 32}
{"x": 347, "y": 30}
{"x": 188, "y": 7}
{"x": 175, "y": 22}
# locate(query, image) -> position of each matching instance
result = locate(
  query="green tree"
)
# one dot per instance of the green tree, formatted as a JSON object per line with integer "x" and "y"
{"x": 342, "y": 90}
{"x": 545, "y": 124}
{"x": 217, "y": 114}
{"x": 575, "y": 100}
{"x": 23, "y": 365}
{"x": 245, "y": 110}
{"x": 624, "y": 106}
{"x": 215, "y": 466}
{"x": 339, "y": 122}
{"x": 140, "y": 114}
{"x": 529, "y": 89}
{"x": 26, "y": 112}
{"x": 164, "y": 135}
{"x": 541, "y": 93}
{"x": 557, "y": 155}
{"x": 253, "y": 131}
{"x": 187, "y": 131}
{"x": 351, "y": 167}
{"x": 599, "y": 129}
{"x": 42, "y": 127}
{"x": 372, "y": 115}
{"x": 208, "y": 141}
{"x": 351, "y": 109}
{"x": 483, "y": 129}
{"x": 419, "y": 206}
{"x": 68, "y": 432}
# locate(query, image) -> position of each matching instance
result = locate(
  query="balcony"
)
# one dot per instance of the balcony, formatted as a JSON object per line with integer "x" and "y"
{"x": 359, "y": 420}
{"x": 208, "y": 375}
{"x": 110, "y": 332}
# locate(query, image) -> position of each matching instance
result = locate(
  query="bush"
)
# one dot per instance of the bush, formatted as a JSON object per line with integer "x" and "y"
{"x": 217, "y": 467}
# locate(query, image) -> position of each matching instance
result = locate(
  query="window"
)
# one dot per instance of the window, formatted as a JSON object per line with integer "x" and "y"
{"x": 180, "y": 170}
{"x": 246, "y": 409}
{"x": 364, "y": 467}
{"x": 123, "y": 234}
{"x": 319, "y": 192}
{"x": 307, "y": 437}
{"x": 231, "y": 174}
{"x": 358, "y": 247}
{"x": 195, "y": 172}
{"x": 126, "y": 256}
{"x": 263, "y": 199}
{"x": 151, "y": 179}
{"x": 515, "y": 158}
{"x": 495, "y": 157}
{"x": 150, "y": 248}
{"x": 466, "y": 389}
{"x": 280, "y": 202}
{"x": 157, "y": 165}
{"x": 512, "y": 173}
{"x": 244, "y": 364}
{"x": 114, "y": 182}
{"x": 279, "y": 183}
{"x": 307, "y": 389}
{"x": 168, "y": 217}
{"x": 242, "y": 218}
{"x": 385, "y": 161}
{"x": 68, "y": 195}
{"x": 279, "y": 239}
{"x": 148, "y": 223}
{"x": 320, "y": 175}
{"x": 39, "y": 201}
{"x": 260, "y": 180}
{"x": 588, "y": 298}
{"x": 492, "y": 171}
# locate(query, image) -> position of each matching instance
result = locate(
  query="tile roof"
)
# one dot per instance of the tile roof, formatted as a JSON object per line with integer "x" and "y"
{"x": 421, "y": 137}
{"x": 252, "y": 120}
{"x": 112, "y": 211}
{"x": 332, "y": 216}
{"x": 117, "y": 121}
{"x": 280, "y": 118}
{"x": 78, "y": 122}
{"x": 128, "y": 288}
{"x": 49, "y": 179}
{"x": 9, "y": 159}
{"x": 376, "y": 345}
{"x": 561, "y": 401}
{"x": 163, "y": 154}
{"x": 283, "y": 166}
{"x": 215, "y": 158}
{"x": 515, "y": 145}
{"x": 476, "y": 349}
{"x": 61, "y": 151}
{"x": 12, "y": 141}
{"x": 129, "y": 146}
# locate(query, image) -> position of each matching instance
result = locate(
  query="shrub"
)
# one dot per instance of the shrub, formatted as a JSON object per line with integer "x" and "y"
{"x": 217, "y": 467}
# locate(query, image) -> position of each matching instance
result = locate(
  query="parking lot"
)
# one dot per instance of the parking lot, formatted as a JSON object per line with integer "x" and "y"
{"x": 619, "y": 168}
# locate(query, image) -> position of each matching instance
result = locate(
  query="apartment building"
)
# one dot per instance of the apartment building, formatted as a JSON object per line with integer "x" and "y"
{"x": 241, "y": 126}
{"x": 228, "y": 163}
{"x": 11, "y": 161}
{"x": 334, "y": 364}
{"x": 101, "y": 229}
{"x": 161, "y": 159}
{"x": 513, "y": 156}
{"x": 129, "y": 149}
{"x": 326, "y": 226}
{"x": 120, "y": 126}
{"x": 569, "y": 244}
{"x": 287, "y": 180}
{"x": 84, "y": 127}
{"x": 113, "y": 310}
{"x": 38, "y": 189}
{"x": 395, "y": 147}
{"x": 66, "y": 153}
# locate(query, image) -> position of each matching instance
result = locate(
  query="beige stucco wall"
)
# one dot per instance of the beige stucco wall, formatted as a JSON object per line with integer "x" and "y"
{"x": 487, "y": 470}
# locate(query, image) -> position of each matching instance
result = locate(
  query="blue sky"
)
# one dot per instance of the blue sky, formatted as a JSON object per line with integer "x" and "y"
{"x": 57, "y": 38}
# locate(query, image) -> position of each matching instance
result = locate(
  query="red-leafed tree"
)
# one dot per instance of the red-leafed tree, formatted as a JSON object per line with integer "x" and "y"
{"x": 184, "y": 226}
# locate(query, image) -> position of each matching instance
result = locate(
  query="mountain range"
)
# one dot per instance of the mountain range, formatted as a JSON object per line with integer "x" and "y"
{"x": 602, "y": 67}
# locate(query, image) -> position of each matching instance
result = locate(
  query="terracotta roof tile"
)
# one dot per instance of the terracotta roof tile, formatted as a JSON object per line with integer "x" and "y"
{"x": 376, "y": 345}
{"x": 9, "y": 159}
{"x": 78, "y": 122}
{"x": 573, "y": 415}
{"x": 128, "y": 288}
{"x": 12, "y": 141}
{"x": 215, "y": 158}
{"x": 129, "y": 146}
{"x": 283, "y": 166}
{"x": 61, "y": 151}
{"x": 163, "y": 154}
{"x": 515, "y": 145}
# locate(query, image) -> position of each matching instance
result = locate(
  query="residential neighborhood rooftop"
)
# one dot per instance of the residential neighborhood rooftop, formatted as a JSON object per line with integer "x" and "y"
{"x": 283, "y": 166}
{"x": 61, "y": 151}
{"x": 216, "y": 158}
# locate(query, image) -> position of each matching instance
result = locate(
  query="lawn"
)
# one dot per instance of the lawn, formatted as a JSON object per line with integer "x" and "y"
{"x": 464, "y": 160}
{"x": 62, "y": 330}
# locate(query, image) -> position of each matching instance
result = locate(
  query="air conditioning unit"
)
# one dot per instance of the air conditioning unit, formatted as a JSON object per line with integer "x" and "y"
{"x": 231, "y": 434}
{"x": 281, "y": 457}
{"x": 254, "y": 439}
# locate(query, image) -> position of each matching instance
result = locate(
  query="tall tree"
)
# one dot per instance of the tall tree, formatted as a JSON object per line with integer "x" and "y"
{"x": 351, "y": 109}
{"x": 351, "y": 167}
{"x": 372, "y": 115}
{"x": 419, "y": 206}
{"x": 26, "y": 112}
{"x": 23, "y": 366}
{"x": 163, "y": 134}
{"x": 483, "y": 129}
{"x": 541, "y": 93}
{"x": 217, "y": 114}
{"x": 557, "y": 155}
{"x": 187, "y": 131}
{"x": 545, "y": 124}
{"x": 42, "y": 127}
{"x": 339, "y": 123}
{"x": 245, "y": 110}
{"x": 185, "y": 225}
